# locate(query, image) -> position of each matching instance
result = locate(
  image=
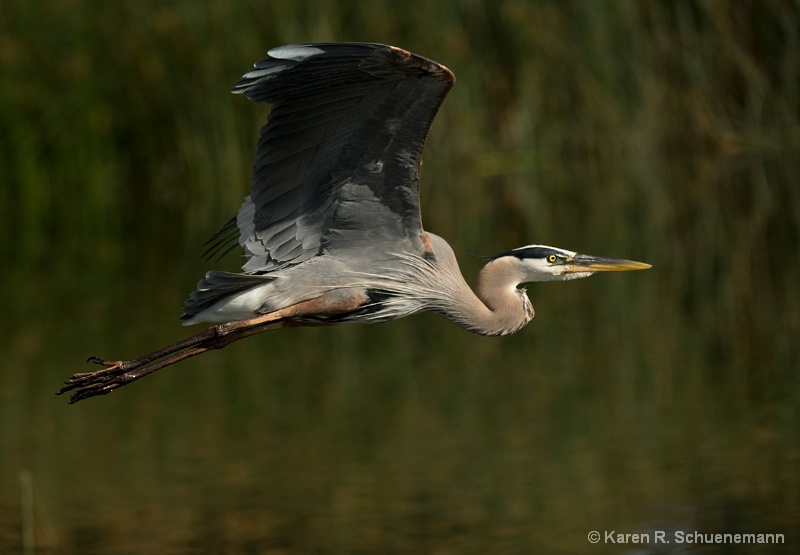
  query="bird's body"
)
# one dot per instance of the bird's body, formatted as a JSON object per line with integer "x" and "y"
{"x": 332, "y": 229}
{"x": 398, "y": 284}
{"x": 334, "y": 211}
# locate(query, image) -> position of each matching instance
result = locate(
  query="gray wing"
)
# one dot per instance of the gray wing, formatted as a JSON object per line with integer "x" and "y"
{"x": 337, "y": 165}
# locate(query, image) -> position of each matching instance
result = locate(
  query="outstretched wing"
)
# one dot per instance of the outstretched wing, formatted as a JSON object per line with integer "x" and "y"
{"x": 337, "y": 165}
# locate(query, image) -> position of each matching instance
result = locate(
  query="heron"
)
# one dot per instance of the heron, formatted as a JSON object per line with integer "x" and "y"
{"x": 332, "y": 231}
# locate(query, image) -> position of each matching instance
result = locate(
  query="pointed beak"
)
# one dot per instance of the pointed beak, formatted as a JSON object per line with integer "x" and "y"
{"x": 588, "y": 263}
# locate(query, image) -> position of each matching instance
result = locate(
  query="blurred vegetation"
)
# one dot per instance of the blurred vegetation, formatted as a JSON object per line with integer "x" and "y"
{"x": 666, "y": 132}
{"x": 117, "y": 112}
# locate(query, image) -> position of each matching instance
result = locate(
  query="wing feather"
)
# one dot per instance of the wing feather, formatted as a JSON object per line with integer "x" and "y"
{"x": 337, "y": 164}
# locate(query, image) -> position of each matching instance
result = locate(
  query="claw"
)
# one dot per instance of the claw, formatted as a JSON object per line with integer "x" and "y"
{"x": 99, "y": 382}
{"x": 91, "y": 391}
{"x": 103, "y": 362}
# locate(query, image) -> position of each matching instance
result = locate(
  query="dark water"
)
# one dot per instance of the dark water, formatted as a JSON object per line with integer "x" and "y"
{"x": 653, "y": 401}
{"x": 645, "y": 402}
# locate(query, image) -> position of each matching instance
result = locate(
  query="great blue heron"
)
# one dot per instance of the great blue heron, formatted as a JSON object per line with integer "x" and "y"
{"x": 331, "y": 229}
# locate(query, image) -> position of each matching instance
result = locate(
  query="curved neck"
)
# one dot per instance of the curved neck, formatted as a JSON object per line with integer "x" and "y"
{"x": 496, "y": 307}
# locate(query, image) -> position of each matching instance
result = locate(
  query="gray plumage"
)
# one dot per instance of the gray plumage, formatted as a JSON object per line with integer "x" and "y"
{"x": 334, "y": 208}
{"x": 331, "y": 229}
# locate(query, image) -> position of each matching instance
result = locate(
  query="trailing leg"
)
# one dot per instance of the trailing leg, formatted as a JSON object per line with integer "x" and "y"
{"x": 118, "y": 373}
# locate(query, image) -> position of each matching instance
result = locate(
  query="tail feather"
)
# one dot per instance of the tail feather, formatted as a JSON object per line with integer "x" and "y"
{"x": 216, "y": 286}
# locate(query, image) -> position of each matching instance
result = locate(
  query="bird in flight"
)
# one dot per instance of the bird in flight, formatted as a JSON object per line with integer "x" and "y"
{"x": 331, "y": 230}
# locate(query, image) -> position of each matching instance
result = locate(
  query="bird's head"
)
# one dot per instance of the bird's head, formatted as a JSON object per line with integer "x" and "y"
{"x": 543, "y": 263}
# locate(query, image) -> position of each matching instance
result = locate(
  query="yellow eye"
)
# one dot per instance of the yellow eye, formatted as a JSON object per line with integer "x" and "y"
{"x": 552, "y": 258}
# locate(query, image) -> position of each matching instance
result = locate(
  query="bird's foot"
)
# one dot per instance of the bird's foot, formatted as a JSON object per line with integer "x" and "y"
{"x": 116, "y": 373}
{"x": 99, "y": 382}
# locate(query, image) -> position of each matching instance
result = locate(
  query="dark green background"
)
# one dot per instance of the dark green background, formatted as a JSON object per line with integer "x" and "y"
{"x": 665, "y": 132}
